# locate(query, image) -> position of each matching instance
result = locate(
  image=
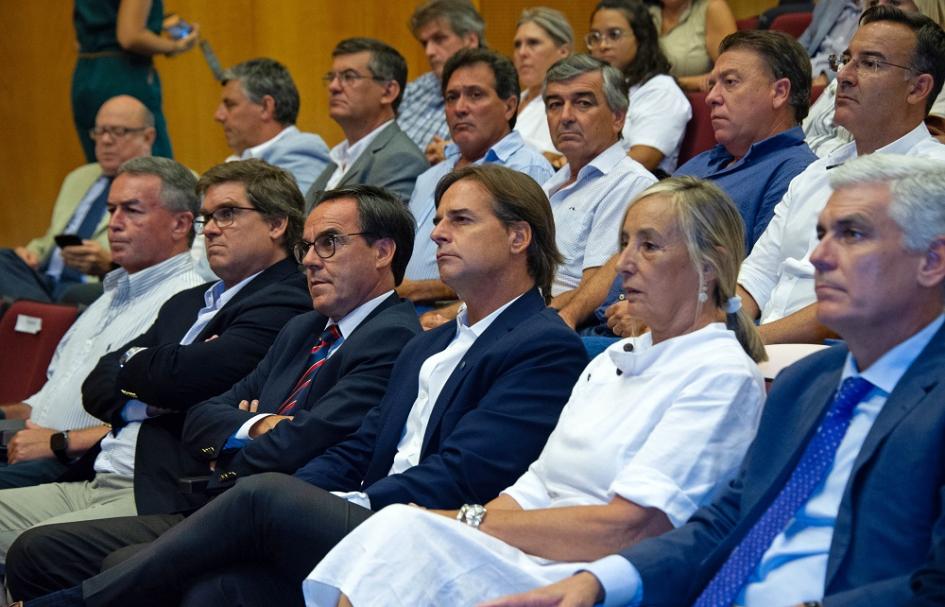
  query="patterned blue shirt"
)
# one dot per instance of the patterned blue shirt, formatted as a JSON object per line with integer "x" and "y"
{"x": 422, "y": 112}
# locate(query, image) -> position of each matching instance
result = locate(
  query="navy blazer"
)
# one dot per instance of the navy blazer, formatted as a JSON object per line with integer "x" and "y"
{"x": 490, "y": 421}
{"x": 392, "y": 161}
{"x": 350, "y": 383}
{"x": 175, "y": 377}
{"x": 892, "y": 505}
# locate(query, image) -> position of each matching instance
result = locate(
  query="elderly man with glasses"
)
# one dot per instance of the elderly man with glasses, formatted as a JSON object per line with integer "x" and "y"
{"x": 365, "y": 87}
{"x": 47, "y": 267}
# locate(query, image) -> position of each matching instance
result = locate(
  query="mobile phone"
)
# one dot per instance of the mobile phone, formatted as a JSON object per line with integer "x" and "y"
{"x": 179, "y": 30}
{"x": 67, "y": 240}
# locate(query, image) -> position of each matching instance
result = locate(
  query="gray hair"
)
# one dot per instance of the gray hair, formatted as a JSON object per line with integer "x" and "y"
{"x": 178, "y": 184}
{"x": 917, "y": 192}
{"x": 571, "y": 67}
{"x": 554, "y": 23}
{"x": 461, "y": 15}
{"x": 264, "y": 76}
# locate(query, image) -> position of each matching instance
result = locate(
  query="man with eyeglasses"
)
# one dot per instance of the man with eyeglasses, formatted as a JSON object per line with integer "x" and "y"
{"x": 258, "y": 109}
{"x": 44, "y": 271}
{"x": 887, "y": 81}
{"x": 325, "y": 370}
{"x": 202, "y": 342}
{"x": 365, "y": 86}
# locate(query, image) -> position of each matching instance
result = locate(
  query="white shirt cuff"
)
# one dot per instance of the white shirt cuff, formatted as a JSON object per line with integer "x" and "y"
{"x": 243, "y": 432}
{"x": 619, "y": 578}
{"x": 355, "y": 497}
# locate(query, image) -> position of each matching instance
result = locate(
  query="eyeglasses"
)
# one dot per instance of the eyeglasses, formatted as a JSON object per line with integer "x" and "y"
{"x": 348, "y": 77}
{"x": 863, "y": 65}
{"x": 223, "y": 217}
{"x": 115, "y": 131}
{"x": 325, "y": 245}
{"x": 612, "y": 35}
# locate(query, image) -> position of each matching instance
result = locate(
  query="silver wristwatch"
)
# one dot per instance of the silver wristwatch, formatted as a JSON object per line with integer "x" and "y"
{"x": 472, "y": 515}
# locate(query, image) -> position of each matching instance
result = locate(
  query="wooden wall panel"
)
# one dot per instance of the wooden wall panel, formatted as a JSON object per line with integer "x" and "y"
{"x": 39, "y": 145}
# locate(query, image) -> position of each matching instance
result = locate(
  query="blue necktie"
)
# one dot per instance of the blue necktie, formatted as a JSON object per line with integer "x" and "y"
{"x": 316, "y": 358}
{"x": 810, "y": 472}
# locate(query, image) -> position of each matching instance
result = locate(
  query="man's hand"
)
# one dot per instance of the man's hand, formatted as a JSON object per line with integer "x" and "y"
{"x": 621, "y": 322}
{"x": 30, "y": 443}
{"x": 29, "y": 258}
{"x": 580, "y": 590}
{"x": 436, "y": 150}
{"x": 88, "y": 258}
{"x": 266, "y": 424}
{"x": 435, "y": 318}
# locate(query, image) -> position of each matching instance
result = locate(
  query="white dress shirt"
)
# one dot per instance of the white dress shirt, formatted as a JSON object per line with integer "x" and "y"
{"x": 778, "y": 273}
{"x": 589, "y": 212}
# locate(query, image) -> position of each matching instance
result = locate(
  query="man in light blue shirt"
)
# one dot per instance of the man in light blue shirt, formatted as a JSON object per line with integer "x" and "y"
{"x": 481, "y": 91}
{"x": 866, "y": 519}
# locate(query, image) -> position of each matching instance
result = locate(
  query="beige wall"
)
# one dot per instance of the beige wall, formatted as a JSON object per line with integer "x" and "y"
{"x": 39, "y": 144}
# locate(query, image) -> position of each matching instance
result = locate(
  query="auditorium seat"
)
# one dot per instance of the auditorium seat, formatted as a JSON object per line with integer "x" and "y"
{"x": 748, "y": 23}
{"x": 793, "y": 24}
{"x": 29, "y": 334}
{"x": 699, "y": 135}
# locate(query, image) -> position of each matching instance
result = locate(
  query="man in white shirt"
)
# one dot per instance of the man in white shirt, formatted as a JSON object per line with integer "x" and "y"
{"x": 839, "y": 497}
{"x": 152, "y": 204}
{"x": 468, "y": 407}
{"x": 365, "y": 86}
{"x": 889, "y": 76}
{"x": 258, "y": 109}
{"x": 586, "y": 104}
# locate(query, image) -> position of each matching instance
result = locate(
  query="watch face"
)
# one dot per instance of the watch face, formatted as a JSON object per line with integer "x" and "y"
{"x": 58, "y": 441}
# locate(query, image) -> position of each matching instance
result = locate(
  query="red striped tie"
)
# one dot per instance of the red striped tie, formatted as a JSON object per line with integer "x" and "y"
{"x": 316, "y": 359}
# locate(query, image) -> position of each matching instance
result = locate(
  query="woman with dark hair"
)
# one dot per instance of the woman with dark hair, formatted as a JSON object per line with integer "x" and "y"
{"x": 623, "y": 34}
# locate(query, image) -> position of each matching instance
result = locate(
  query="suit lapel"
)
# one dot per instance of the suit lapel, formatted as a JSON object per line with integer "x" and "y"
{"x": 921, "y": 378}
{"x": 528, "y": 304}
{"x": 353, "y": 174}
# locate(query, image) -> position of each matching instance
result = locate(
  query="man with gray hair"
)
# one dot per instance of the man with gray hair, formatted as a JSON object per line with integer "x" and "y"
{"x": 838, "y": 500}
{"x": 258, "y": 110}
{"x": 586, "y": 103}
{"x": 442, "y": 27}
{"x": 152, "y": 204}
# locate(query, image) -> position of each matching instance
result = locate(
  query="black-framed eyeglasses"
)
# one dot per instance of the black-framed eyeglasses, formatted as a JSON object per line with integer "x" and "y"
{"x": 223, "y": 217}
{"x": 862, "y": 65}
{"x": 325, "y": 244}
{"x": 115, "y": 131}
{"x": 348, "y": 77}
{"x": 611, "y": 35}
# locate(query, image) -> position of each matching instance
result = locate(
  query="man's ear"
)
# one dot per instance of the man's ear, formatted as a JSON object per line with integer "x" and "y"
{"x": 183, "y": 223}
{"x": 520, "y": 236}
{"x": 384, "y": 249}
{"x": 277, "y": 227}
{"x": 268, "y": 105}
{"x": 922, "y": 86}
{"x": 782, "y": 93}
{"x": 932, "y": 265}
{"x": 391, "y": 90}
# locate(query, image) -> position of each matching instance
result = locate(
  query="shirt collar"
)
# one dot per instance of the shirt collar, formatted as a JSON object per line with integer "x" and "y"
{"x": 462, "y": 319}
{"x": 345, "y": 154}
{"x": 775, "y": 143}
{"x": 355, "y": 317}
{"x": 257, "y": 150}
{"x": 886, "y": 372}
{"x": 900, "y": 146}
{"x": 218, "y": 295}
{"x": 500, "y": 151}
{"x": 119, "y": 281}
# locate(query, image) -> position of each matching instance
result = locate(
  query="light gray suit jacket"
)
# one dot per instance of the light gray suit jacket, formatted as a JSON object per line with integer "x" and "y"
{"x": 304, "y": 155}
{"x": 392, "y": 161}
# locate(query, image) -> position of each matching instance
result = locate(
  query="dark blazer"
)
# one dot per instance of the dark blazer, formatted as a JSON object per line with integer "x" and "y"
{"x": 175, "y": 377}
{"x": 348, "y": 385}
{"x": 392, "y": 161}
{"x": 891, "y": 509}
{"x": 489, "y": 423}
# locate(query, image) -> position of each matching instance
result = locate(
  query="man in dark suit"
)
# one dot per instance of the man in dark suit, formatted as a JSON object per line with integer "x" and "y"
{"x": 356, "y": 245}
{"x": 839, "y": 497}
{"x": 201, "y": 343}
{"x": 469, "y": 406}
{"x": 365, "y": 86}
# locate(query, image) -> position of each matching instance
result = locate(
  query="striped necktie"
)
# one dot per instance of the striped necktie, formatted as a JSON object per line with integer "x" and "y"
{"x": 811, "y": 470}
{"x": 316, "y": 359}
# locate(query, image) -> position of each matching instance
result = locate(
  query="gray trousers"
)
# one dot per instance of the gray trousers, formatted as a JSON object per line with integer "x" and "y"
{"x": 106, "y": 496}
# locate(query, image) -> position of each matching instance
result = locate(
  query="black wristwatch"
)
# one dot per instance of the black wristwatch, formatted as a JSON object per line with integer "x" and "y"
{"x": 59, "y": 443}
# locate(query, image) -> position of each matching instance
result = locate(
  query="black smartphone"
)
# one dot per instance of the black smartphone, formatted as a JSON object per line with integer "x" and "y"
{"x": 67, "y": 240}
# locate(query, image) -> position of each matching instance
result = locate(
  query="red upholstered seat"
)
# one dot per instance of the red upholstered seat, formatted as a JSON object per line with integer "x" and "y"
{"x": 25, "y": 352}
